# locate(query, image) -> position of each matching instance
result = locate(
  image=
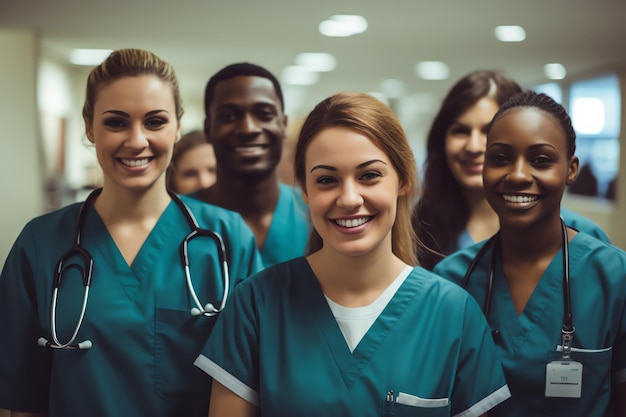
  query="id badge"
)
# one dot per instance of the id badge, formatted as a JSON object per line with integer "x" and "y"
{"x": 564, "y": 379}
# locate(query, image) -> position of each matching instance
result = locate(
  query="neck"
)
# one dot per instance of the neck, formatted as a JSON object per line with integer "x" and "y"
{"x": 245, "y": 196}
{"x": 483, "y": 221}
{"x": 539, "y": 240}
{"x": 120, "y": 203}
{"x": 355, "y": 281}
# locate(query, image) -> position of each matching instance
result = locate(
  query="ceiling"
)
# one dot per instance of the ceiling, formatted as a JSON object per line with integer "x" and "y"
{"x": 200, "y": 37}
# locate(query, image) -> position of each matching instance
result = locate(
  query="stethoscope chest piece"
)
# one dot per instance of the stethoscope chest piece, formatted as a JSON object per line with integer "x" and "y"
{"x": 79, "y": 258}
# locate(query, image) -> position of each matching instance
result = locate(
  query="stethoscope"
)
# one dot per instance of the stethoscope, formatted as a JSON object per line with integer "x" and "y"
{"x": 86, "y": 269}
{"x": 567, "y": 331}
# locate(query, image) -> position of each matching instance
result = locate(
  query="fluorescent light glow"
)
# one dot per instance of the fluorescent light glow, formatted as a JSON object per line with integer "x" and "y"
{"x": 432, "y": 70}
{"x": 297, "y": 75}
{"x": 392, "y": 88}
{"x": 89, "y": 56}
{"x": 552, "y": 89}
{"x": 317, "y": 61}
{"x": 588, "y": 115}
{"x": 343, "y": 25}
{"x": 554, "y": 71}
{"x": 510, "y": 33}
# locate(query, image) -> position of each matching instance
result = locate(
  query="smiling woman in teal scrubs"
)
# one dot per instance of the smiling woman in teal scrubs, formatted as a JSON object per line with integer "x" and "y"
{"x": 354, "y": 328}
{"x": 138, "y": 339}
{"x": 537, "y": 264}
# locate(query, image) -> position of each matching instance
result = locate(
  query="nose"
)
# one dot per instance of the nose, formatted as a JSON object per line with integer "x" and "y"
{"x": 350, "y": 198}
{"x": 477, "y": 142}
{"x": 206, "y": 179}
{"x": 137, "y": 137}
{"x": 248, "y": 125}
{"x": 520, "y": 172}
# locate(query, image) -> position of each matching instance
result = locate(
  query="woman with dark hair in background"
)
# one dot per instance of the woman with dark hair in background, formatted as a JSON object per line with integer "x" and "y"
{"x": 554, "y": 297}
{"x": 452, "y": 212}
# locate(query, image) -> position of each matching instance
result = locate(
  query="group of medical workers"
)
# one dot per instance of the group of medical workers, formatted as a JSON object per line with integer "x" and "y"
{"x": 348, "y": 294}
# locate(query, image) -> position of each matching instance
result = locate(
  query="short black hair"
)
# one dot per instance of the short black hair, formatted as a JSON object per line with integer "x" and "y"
{"x": 546, "y": 104}
{"x": 245, "y": 69}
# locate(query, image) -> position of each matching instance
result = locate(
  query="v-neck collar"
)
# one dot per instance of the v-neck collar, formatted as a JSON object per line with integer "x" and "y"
{"x": 518, "y": 328}
{"x": 351, "y": 364}
{"x": 131, "y": 277}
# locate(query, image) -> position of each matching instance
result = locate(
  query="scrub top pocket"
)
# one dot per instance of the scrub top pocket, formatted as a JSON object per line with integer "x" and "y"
{"x": 179, "y": 338}
{"x": 596, "y": 378}
{"x": 402, "y": 410}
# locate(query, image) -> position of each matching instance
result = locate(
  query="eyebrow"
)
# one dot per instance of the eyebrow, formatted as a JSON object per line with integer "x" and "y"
{"x": 360, "y": 166}
{"x": 531, "y": 147}
{"x": 123, "y": 113}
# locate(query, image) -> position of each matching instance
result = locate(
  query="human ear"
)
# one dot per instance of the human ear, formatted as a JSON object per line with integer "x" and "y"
{"x": 305, "y": 196}
{"x": 178, "y": 135}
{"x": 207, "y": 130}
{"x": 403, "y": 190}
{"x": 572, "y": 171}
{"x": 89, "y": 132}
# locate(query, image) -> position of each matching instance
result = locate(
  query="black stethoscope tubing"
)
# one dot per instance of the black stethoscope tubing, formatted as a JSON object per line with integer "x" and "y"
{"x": 87, "y": 270}
{"x": 492, "y": 244}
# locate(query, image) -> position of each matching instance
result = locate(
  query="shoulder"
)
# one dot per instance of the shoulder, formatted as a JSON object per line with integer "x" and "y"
{"x": 292, "y": 194}
{"x": 583, "y": 224}
{"x": 445, "y": 295}
{"x": 586, "y": 246}
{"x": 282, "y": 274}
{"x": 207, "y": 211}
{"x": 454, "y": 266}
{"x": 62, "y": 218}
{"x": 436, "y": 285}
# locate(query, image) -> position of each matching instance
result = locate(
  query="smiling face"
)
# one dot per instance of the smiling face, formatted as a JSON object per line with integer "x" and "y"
{"x": 352, "y": 190}
{"x": 246, "y": 126}
{"x": 527, "y": 167}
{"x": 465, "y": 144}
{"x": 195, "y": 169}
{"x": 134, "y": 129}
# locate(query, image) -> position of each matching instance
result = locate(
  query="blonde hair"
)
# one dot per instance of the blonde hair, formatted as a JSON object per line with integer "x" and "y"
{"x": 372, "y": 118}
{"x": 129, "y": 63}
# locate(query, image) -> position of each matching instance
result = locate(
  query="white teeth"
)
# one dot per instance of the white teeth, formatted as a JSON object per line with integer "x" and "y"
{"x": 135, "y": 162}
{"x": 351, "y": 222}
{"x": 258, "y": 148}
{"x": 520, "y": 198}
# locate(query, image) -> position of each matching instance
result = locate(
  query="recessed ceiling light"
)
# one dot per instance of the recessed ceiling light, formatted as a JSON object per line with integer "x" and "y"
{"x": 510, "y": 33}
{"x": 432, "y": 70}
{"x": 89, "y": 56}
{"x": 317, "y": 61}
{"x": 343, "y": 25}
{"x": 554, "y": 71}
{"x": 392, "y": 88}
{"x": 297, "y": 75}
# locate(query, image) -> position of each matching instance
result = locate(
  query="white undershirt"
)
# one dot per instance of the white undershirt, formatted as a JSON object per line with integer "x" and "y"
{"x": 354, "y": 322}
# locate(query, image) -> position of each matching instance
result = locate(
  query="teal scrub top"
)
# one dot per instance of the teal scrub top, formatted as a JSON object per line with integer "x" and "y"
{"x": 137, "y": 317}
{"x": 288, "y": 235}
{"x": 279, "y": 346}
{"x": 571, "y": 218}
{"x": 526, "y": 343}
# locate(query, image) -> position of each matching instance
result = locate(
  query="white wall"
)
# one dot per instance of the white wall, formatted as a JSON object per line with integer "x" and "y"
{"x": 21, "y": 184}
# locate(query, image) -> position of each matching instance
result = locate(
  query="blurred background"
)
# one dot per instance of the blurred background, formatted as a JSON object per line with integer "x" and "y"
{"x": 406, "y": 52}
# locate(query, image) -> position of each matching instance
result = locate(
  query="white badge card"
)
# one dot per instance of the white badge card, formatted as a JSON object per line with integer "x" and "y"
{"x": 564, "y": 379}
